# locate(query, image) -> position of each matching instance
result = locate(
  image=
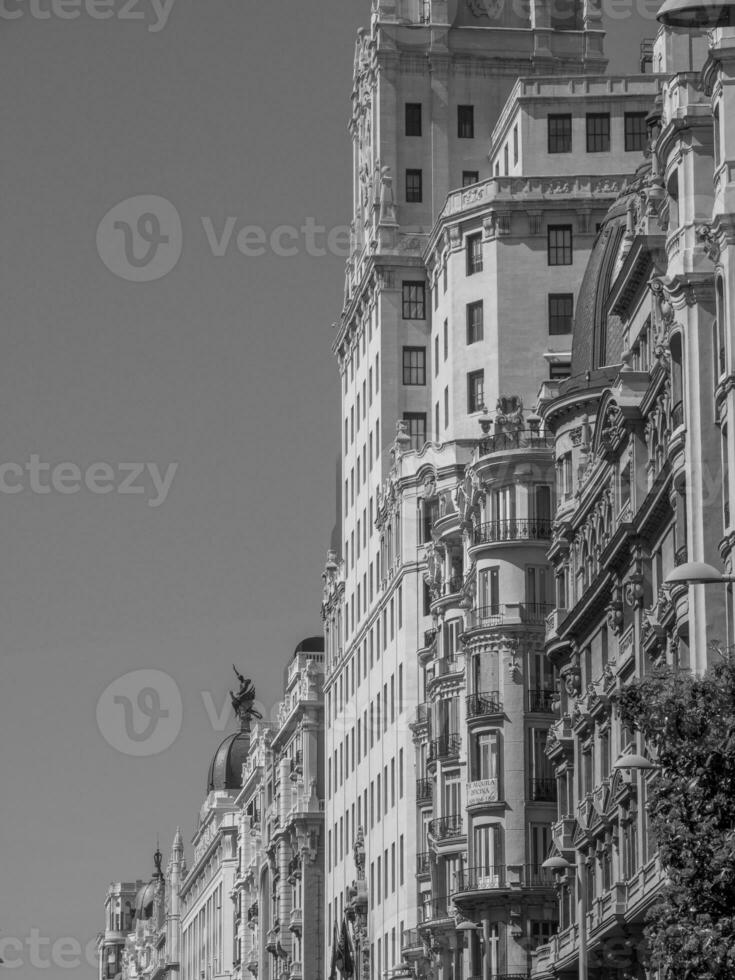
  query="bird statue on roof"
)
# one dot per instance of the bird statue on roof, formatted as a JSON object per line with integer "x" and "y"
{"x": 242, "y": 702}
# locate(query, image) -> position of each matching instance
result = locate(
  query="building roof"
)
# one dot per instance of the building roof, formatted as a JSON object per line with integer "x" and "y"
{"x": 225, "y": 769}
{"x": 598, "y": 334}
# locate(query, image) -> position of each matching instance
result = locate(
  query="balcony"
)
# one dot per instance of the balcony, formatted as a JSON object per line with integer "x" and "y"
{"x": 541, "y": 701}
{"x": 484, "y": 704}
{"x": 295, "y": 971}
{"x": 553, "y": 621}
{"x": 513, "y": 529}
{"x": 423, "y": 712}
{"x": 423, "y": 863}
{"x": 435, "y": 909}
{"x": 424, "y": 790}
{"x": 542, "y": 790}
{"x": 520, "y": 439}
{"x": 411, "y": 940}
{"x": 500, "y": 877}
{"x": 429, "y": 637}
{"x": 446, "y": 828}
{"x": 508, "y": 614}
{"x": 445, "y": 747}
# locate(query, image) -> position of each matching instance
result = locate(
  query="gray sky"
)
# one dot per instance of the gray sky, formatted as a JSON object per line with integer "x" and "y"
{"x": 223, "y": 367}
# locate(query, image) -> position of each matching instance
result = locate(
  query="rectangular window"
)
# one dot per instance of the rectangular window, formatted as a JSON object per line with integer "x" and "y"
{"x": 466, "y": 122}
{"x": 413, "y": 119}
{"x": 474, "y": 254}
{"x": 470, "y": 177}
{"x": 414, "y": 301}
{"x": 436, "y": 421}
{"x": 475, "y": 391}
{"x": 475, "y": 330}
{"x": 559, "y": 244}
{"x": 446, "y": 407}
{"x": 515, "y": 144}
{"x": 559, "y": 133}
{"x": 414, "y": 365}
{"x": 446, "y": 339}
{"x": 414, "y": 186}
{"x": 636, "y": 131}
{"x": 436, "y": 355}
{"x": 598, "y": 132}
{"x": 561, "y": 312}
{"x": 416, "y": 423}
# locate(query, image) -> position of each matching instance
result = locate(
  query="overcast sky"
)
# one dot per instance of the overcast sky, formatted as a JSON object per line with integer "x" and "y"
{"x": 211, "y": 391}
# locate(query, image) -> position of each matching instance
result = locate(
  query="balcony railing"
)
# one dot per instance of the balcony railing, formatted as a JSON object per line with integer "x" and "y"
{"x": 424, "y": 790}
{"x": 485, "y": 703}
{"x": 541, "y": 701}
{"x": 445, "y": 828}
{"x": 497, "y": 614}
{"x": 489, "y": 877}
{"x": 435, "y": 908}
{"x": 542, "y": 790}
{"x": 521, "y": 439}
{"x": 412, "y": 939}
{"x": 423, "y": 862}
{"x": 445, "y": 747}
{"x": 513, "y": 529}
{"x": 429, "y": 636}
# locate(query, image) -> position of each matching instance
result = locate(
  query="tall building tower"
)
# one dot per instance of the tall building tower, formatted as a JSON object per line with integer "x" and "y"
{"x": 430, "y": 81}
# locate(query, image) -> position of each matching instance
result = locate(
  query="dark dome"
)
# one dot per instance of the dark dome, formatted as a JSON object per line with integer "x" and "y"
{"x": 598, "y": 335}
{"x": 312, "y": 644}
{"x": 225, "y": 770}
{"x": 144, "y": 901}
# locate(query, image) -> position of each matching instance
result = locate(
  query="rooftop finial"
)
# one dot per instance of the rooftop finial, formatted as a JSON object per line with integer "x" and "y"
{"x": 242, "y": 702}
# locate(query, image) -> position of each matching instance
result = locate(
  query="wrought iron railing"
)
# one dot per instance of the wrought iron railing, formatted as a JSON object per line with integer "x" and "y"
{"x": 422, "y": 713}
{"x": 520, "y": 439}
{"x": 536, "y": 612}
{"x": 542, "y": 790}
{"x": 423, "y": 862}
{"x": 411, "y": 939}
{"x": 484, "y": 703}
{"x": 513, "y": 529}
{"x": 424, "y": 790}
{"x": 435, "y": 908}
{"x": 486, "y": 616}
{"x": 541, "y": 701}
{"x": 489, "y": 877}
{"x": 429, "y": 637}
{"x": 445, "y": 747}
{"x": 444, "y": 828}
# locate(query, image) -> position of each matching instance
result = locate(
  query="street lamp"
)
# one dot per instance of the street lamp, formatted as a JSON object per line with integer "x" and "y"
{"x": 697, "y": 573}
{"x": 634, "y": 761}
{"x": 559, "y": 863}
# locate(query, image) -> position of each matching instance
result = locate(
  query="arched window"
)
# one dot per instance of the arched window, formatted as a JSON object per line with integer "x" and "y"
{"x": 677, "y": 388}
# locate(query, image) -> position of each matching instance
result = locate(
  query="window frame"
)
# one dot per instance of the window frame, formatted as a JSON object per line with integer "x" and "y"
{"x": 414, "y": 187}
{"x": 564, "y": 138}
{"x": 465, "y": 122}
{"x": 413, "y": 119}
{"x": 475, "y": 393}
{"x": 551, "y": 231}
{"x": 630, "y": 135}
{"x": 555, "y": 318}
{"x": 597, "y": 141}
{"x": 414, "y": 370}
{"x": 475, "y": 329}
{"x": 413, "y": 307}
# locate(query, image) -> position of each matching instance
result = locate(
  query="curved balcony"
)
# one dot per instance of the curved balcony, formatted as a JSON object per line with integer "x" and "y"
{"x": 483, "y": 705}
{"x": 503, "y": 442}
{"x": 500, "y": 877}
{"x": 513, "y": 529}
{"x": 446, "y": 828}
{"x": 509, "y": 614}
{"x": 445, "y": 747}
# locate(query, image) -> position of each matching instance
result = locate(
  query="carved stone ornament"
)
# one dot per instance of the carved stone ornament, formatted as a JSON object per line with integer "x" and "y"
{"x": 707, "y": 237}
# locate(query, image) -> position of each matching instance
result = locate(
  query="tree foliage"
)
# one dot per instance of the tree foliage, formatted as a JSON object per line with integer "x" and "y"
{"x": 689, "y": 725}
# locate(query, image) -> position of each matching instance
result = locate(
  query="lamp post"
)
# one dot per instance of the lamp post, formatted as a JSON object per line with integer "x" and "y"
{"x": 467, "y": 925}
{"x": 697, "y": 573}
{"x": 558, "y": 864}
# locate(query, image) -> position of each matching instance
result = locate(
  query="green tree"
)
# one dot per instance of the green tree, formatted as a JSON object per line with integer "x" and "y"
{"x": 689, "y": 724}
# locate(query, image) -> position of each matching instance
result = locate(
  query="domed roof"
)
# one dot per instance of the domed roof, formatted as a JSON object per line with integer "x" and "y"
{"x": 312, "y": 644}
{"x": 145, "y": 898}
{"x": 598, "y": 335}
{"x": 225, "y": 770}
{"x": 144, "y": 901}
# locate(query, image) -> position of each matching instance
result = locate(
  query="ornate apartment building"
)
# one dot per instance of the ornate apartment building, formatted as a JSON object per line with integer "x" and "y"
{"x": 438, "y": 817}
{"x": 643, "y": 452}
{"x": 279, "y": 887}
